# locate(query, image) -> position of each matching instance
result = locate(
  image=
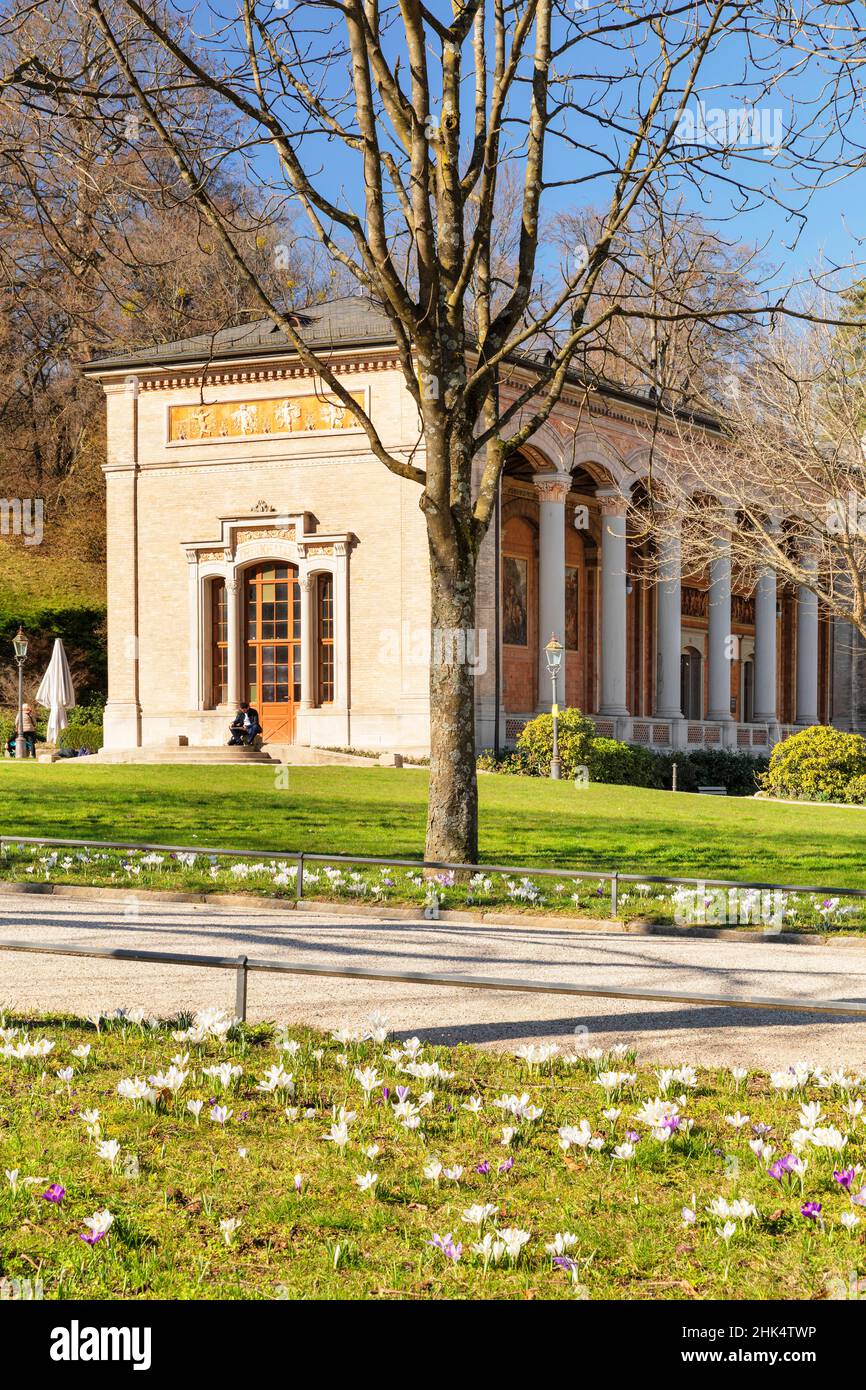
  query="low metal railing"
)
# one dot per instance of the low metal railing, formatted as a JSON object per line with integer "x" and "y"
{"x": 244, "y": 966}
{"x": 614, "y": 877}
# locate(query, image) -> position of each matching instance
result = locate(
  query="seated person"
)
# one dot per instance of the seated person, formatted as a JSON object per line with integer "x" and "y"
{"x": 245, "y": 726}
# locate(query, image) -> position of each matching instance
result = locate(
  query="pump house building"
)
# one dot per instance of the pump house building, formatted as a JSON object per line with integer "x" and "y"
{"x": 258, "y": 550}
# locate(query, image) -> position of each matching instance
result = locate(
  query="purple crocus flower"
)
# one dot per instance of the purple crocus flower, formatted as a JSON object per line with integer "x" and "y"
{"x": 859, "y": 1198}
{"x": 386, "y": 1091}
{"x": 299, "y": 1183}
{"x": 91, "y": 1237}
{"x": 632, "y": 1136}
{"x": 844, "y": 1177}
{"x": 811, "y": 1210}
{"x": 55, "y": 1193}
{"x": 483, "y": 1167}
{"x": 507, "y": 1166}
{"x": 401, "y": 1093}
{"x": 447, "y": 1246}
{"x": 782, "y": 1167}
{"x": 567, "y": 1263}
{"x": 671, "y": 1123}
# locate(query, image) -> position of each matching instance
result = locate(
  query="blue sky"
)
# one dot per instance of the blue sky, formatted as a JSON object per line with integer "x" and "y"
{"x": 833, "y": 224}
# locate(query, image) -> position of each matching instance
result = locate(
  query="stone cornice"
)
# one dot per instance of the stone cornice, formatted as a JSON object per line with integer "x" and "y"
{"x": 242, "y": 373}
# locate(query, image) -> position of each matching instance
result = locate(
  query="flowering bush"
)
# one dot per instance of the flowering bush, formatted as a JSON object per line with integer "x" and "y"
{"x": 816, "y": 764}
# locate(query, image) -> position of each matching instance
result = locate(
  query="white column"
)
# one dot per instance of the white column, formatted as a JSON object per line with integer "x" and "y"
{"x": 613, "y": 602}
{"x": 807, "y": 653}
{"x": 765, "y": 648}
{"x": 719, "y": 644}
{"x": 668, "y": 622}
{"x": 234, "y": 648}
{"x": 552, "y": 492}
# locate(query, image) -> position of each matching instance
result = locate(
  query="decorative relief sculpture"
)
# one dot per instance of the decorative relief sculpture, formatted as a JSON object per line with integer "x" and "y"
{"x": 246, "y": 419}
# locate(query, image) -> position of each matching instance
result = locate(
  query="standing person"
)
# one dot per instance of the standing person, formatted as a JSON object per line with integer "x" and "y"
{"x": 245, "y": 726}
{"x": 25, "y": 724}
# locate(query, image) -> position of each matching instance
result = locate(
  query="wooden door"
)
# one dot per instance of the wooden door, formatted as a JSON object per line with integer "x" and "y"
{"x": 272, "y": 625}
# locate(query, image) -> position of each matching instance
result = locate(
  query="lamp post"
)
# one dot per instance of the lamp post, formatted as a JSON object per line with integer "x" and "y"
{"x": 553, "y": 652}
{"x": 19, "y": 646}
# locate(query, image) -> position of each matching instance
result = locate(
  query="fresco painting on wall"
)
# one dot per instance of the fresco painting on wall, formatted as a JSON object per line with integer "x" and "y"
{"x": 514, "y": 605}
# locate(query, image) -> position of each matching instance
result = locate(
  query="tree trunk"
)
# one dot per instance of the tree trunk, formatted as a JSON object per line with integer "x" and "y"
{"x": 452, "y": 814}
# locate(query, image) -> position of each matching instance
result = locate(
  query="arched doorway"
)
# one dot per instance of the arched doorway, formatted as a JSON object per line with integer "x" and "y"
{"x": 272, "y": 646}
{"x": 692, "y": 684}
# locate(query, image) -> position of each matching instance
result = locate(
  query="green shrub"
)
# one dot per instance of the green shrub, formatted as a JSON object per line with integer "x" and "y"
{"x": 855, "y": 792}
{"x": 738, "y": 773}
{"x": 622, "y": 764}
{"x": 575, "y": 734}
{"x": 511, "y": 762}
{"x": 81, "y": 735}
{"x": 816, "y": 764}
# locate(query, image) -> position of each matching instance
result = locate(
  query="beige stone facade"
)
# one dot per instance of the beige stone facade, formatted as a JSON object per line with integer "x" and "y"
{"x": 257, "y": 548}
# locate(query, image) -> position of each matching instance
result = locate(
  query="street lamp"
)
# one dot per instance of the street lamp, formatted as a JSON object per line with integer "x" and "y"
{"x": 19, "y": 646}
{"x": 553, "y": 652}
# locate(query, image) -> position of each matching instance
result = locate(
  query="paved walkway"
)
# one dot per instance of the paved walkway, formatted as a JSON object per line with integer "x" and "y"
{"x": 442, "y": 1014}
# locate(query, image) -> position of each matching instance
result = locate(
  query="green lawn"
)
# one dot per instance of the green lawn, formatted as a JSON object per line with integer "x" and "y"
{"x": 445, "y": 1162}
{"x": 382, "y": 811}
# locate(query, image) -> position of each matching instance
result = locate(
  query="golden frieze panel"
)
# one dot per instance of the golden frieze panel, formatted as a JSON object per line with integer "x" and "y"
{"x": 260, "y": 419}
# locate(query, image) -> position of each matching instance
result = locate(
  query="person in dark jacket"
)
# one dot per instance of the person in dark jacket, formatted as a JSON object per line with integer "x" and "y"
{"x": 245, "y": 726}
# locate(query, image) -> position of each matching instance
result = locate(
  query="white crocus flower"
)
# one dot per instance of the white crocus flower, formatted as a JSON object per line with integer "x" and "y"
{"x": 514, "y": 1241}
{"x": 579, "y": 1135}
{"x": 737, "y": 1121}
{"x": 228, "y": 1228}
{"x": 99, "y": 1223}
{"x": 477, "y": 1215}
{"x": 562, "y": 1242}
{"x": 338, "y": 1134}
{"x": 367, "y": 1181}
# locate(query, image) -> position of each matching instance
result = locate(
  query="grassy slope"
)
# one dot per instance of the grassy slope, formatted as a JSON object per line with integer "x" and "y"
{"x": 175, "y": 1181}
{"x": 380, "y": 811}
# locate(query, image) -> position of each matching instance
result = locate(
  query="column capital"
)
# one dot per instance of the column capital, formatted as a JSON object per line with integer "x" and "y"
{"x": 552, "y": 487}
{"x": 613, "y": 501}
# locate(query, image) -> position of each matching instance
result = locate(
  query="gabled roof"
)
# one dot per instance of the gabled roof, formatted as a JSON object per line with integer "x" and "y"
{"x": 347, "y": 322}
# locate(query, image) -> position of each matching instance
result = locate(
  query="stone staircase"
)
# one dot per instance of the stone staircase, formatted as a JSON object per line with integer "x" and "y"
{"x": 182, "y": 755}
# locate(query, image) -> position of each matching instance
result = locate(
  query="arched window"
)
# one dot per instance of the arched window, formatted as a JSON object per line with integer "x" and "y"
{"x": 219, "y": 642}
{"x": 325, "y": 639}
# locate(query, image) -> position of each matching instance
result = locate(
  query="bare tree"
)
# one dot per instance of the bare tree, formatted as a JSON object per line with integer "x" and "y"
{"x": 781, "y": 473}
{"x": 426, "y": 105}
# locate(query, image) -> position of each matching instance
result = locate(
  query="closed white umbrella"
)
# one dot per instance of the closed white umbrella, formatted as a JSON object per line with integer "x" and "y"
{"x": 56, "y": 692}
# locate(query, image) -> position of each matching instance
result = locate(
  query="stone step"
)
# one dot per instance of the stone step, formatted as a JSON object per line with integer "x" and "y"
{"x": 188, "y": 757}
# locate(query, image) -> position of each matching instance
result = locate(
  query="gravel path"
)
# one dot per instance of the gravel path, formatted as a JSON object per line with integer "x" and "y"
{"x": 702, "y": 1035}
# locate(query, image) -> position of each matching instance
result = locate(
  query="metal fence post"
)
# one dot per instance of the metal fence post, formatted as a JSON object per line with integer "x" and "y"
{"x": 299, "y": 883}
{"x": 241, "y": 989}
{"x": 614, "y": 894}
